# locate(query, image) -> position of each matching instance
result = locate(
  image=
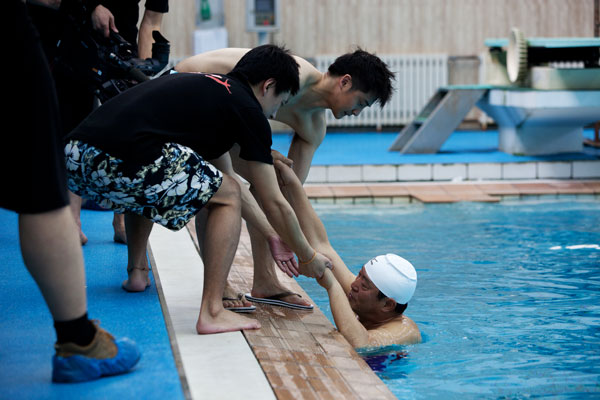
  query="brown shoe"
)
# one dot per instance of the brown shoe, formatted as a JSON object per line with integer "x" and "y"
{"x": 103, "y": 346}
{"x": 103, "y": 357}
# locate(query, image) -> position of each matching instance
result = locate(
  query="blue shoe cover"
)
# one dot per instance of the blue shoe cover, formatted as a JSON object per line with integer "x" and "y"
{"x": 77, "y": 368}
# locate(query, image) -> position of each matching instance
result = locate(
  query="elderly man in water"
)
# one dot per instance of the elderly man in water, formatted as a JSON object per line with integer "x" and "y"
{"x": 368, "y": 309}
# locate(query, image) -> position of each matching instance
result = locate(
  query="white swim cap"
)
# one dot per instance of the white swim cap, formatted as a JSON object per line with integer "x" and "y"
{"x": 394, "y": 276}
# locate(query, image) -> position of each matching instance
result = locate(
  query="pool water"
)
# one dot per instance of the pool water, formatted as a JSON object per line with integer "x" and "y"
{"x": 508, "y": 297}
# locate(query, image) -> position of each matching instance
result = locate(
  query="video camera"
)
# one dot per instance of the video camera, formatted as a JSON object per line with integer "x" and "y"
{"x": 108, "y": 65}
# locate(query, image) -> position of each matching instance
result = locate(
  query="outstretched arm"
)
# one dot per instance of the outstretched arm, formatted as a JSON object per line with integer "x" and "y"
{"x": 311, "y": 224}
{"x": 309, "y": 134}
{"x": 301, "y": 152}
{"x": 282, "y": 217}
{"x": 345, "y": 319}
{"x": 251, "y": 212}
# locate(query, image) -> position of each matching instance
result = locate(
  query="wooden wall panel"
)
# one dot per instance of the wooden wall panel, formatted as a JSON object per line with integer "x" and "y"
{"x": 454, "y": 27}
{"x": 178, "y": 27}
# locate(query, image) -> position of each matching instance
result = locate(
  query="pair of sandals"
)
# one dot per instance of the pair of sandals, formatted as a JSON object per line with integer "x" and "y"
{"x": 274, "y": 300}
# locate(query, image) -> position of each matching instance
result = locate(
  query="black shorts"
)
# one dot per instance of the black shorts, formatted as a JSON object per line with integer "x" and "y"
{"x": 32, "y": 166}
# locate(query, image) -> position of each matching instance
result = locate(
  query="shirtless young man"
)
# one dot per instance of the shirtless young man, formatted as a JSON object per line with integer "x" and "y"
{"x": 354, "y": 81}
{"x": 368, "y": 308}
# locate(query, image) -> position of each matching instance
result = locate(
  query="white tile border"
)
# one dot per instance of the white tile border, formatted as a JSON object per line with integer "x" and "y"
{"x": 379, "y": 173}
{"x": 477, "y": 171}
{"x": 415, "y": 172}
{"x": 525, "y": 170}
{"x": 447, "y": 172}
{"x": 371, "y": 173}
{"x": 586, "y": 169}
{"x": 344, "y": 173}
{"x": 317, "y": 174}
{"x": 554, "y": 170}
{"x": 210, "y": 362}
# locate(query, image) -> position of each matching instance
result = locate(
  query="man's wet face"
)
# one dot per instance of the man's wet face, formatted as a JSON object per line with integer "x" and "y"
{"x": 363, "y": 293}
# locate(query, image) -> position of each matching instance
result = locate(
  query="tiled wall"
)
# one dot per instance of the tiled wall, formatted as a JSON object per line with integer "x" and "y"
{"x": 456, "y": 171}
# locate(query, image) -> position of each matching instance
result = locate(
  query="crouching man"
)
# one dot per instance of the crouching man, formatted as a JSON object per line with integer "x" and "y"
{"x": 146, "y": 153}
{"x": 368, "y": 309}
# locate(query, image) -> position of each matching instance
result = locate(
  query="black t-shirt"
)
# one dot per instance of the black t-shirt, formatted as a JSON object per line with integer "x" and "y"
{"x": 206, "y": 112}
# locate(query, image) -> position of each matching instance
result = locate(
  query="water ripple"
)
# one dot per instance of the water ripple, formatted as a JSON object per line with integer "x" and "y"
{"x": 508, "y": 298}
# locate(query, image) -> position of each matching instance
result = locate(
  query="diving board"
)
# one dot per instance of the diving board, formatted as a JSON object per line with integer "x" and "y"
{"x": 541, "y": 92}
{"x": 438, "y": 119}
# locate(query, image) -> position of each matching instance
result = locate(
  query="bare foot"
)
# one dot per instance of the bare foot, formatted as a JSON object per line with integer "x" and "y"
{"x": 82, "y": 237}
{"x": 119, "y": 227}
{"x": 233, "y": 302}
{"x": 224, "y": 321}
{"x": 138, "y": 280}
{"x": 234, "y": 298}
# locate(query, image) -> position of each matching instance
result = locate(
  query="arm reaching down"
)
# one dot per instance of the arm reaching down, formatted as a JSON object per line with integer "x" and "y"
{"x": 302, "y": 153}
{"x": 338, "y": 282}
{"x": 283, "y": 256}
{"x": 282, "y": 217}
{"x": 251, "y": 212}
{"x": 311, "y": 224}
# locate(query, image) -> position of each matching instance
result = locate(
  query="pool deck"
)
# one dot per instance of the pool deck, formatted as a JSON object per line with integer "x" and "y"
{"x": 448, "y": 192}
{"x": 296, "y": 354}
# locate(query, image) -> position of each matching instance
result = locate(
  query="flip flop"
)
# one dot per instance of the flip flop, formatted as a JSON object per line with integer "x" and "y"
{"x": 242, "y": 309}
{"x": 275, "y": 301}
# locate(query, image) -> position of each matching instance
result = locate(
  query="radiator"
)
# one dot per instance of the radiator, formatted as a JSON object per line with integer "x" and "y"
{"x": 418, "y": 76}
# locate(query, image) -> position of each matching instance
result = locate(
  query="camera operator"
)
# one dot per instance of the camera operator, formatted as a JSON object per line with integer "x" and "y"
{"x": 75, "y": 95}
{"x": 122, "y": 16}
{"x": 38, "y": 194}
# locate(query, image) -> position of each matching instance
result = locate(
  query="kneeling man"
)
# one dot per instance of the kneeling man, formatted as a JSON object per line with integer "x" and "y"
{"x": 368, "y": 309}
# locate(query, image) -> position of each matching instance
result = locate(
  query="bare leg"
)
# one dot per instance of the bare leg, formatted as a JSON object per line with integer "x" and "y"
{"x": 119, "y": 227}
{"x": 75, "y": 205}
{"x": 138, "y": 230}
{"x": 266, "y": 283}
{"x": 220, "y": 243}
{"x": 229, "y": 291}
{"x": 200, "y": 219}
{"x": 52, "y": 253}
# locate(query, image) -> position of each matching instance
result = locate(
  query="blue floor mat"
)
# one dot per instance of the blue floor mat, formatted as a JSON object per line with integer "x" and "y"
{"x": 340, "y": 148}
{"x": 27, "y": 335}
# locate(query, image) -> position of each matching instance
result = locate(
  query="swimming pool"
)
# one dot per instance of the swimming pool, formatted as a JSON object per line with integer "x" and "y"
{"x": 508, "y": 299}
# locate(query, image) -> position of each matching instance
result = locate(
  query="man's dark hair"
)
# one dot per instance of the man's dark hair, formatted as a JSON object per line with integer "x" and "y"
{"x": 270, "y": 61}
{"x": 368, "y": 72}
{"x": 400, "y": 308}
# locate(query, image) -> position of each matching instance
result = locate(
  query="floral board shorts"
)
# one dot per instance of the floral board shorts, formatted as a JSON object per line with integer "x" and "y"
{"x": 168, "y": 191}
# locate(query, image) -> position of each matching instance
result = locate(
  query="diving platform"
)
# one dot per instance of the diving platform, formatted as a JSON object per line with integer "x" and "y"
{"x": 530, "y": 121}
{"x": 539, "y": 122}
{"x": 539, "y": 103}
